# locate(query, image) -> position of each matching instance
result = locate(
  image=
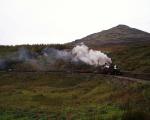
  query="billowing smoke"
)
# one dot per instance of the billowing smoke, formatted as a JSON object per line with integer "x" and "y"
{"x": 2, "y": 64}
{"x": 51, "y": 58}
{"x": 80, "y": 53}
{"x": 57, "y": 54}
{"x": 24, "y": 54}
{"x": 89, "y": 56}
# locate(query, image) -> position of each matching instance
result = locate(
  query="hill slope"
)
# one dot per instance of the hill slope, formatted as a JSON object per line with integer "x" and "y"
{"x": 120, "y": 34}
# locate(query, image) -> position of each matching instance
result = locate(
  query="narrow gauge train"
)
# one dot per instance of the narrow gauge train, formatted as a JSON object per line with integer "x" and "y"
{"x": 110, "y": 69}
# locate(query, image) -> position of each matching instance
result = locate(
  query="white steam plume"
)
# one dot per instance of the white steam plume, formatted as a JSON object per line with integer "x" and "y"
{"x": 48, "y": 58}
{"x": 89, "y": 56}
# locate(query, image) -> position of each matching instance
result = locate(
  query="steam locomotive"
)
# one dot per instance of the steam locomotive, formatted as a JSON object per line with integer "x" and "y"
{"x": 110, "y": 69}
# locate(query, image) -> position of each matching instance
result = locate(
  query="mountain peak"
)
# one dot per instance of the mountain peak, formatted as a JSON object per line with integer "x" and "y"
{"x": 122, "y": 27}
{"x": 121, "y": 30}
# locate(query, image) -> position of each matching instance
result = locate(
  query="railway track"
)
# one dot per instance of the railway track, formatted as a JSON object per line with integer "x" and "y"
{"x": 132, "y": 79}
{"x": 127, "y": 75}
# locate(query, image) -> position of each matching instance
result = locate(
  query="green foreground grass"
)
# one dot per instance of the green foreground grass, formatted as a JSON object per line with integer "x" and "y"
{"x": 59, "y": 96}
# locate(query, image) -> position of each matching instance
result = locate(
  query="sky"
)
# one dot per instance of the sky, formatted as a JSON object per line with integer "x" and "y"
{"x": 62, "y": 21}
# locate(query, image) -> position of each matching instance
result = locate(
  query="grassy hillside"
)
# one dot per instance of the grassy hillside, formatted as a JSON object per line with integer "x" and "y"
{"x": 34, "y": 48}
{"x": 135, "y": 58}
{"x": 62, "y": 96}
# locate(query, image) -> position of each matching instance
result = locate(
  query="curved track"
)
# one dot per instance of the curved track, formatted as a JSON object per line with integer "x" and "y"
{"x": 125, "y": 75}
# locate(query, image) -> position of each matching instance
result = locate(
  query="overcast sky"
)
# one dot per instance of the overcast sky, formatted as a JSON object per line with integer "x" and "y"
{"x": 61, "y": 21}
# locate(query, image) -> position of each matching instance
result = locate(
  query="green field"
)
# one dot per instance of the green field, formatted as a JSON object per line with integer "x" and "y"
{"x": 62, "y": 96}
